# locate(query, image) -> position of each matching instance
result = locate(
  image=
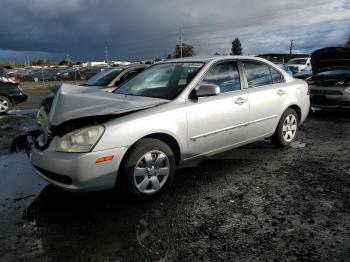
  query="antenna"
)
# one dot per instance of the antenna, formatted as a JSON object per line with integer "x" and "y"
{"x": 180, "y": 42}
{"x": 291, "y": 49}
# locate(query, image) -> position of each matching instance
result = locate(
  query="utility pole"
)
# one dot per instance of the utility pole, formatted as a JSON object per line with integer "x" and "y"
{"x": 291, "y": 49}
{"x": 180, "y": 43}
{"x": 106, "y": 54}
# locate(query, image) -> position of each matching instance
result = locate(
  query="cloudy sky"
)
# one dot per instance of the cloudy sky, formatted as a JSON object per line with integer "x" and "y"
{"x": 139, "y": 29}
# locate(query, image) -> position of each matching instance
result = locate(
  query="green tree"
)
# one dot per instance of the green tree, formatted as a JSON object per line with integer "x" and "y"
{"x": 66, "y": 62}
{"x": 187, "y": 51}
{"x": 42, "y": 62}
{"x": 236, "y": 48}
{"x": 216, "y": 53}
{"x": 8, "y": 64}
{"x": 348, "y": 43}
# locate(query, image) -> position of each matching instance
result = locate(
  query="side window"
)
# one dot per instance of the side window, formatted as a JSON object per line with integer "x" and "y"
{"x": 258, "y": 74}
{"x": 276, "y": 76}
{"x": 224, "y": 75}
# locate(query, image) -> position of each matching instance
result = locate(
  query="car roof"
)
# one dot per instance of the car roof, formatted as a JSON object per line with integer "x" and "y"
{"x": 207, "y": 59}
{"x": 129, "y": 66}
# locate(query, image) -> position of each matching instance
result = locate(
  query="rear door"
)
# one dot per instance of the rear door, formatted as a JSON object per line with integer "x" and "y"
{"x": 267, "y": 95}
{"x": 217, "y": 122}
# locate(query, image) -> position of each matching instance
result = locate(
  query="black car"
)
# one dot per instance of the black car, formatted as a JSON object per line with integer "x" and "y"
{"x": 107, "y": 80}
{"x": 10, "y": 93}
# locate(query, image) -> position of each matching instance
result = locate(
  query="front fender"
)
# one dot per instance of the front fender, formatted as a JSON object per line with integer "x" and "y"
{"x": 125, "y": 131}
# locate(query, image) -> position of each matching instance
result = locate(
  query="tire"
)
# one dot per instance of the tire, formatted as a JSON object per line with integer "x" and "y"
{"x": 147, "y": 169}
{"x": 5, "y": 105}
{"x": 286, "y": 132}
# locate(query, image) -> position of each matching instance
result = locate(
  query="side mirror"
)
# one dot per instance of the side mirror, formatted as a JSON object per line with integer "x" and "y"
{"x": 207, "y": 90}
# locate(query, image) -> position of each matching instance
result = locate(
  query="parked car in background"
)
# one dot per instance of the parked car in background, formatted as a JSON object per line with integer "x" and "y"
{"x": 10, "y": 93}
{"x": 304, "y": 74}
{"x": 284, "y": 66}
{"x": 299, "y": 64}
{"x": 106, "y": 80}
{"x": 330, "y": 83}
{"x": 172, "y": 112}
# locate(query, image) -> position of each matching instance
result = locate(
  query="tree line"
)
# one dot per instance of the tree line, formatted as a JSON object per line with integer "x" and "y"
{"x": 188, "y": 50}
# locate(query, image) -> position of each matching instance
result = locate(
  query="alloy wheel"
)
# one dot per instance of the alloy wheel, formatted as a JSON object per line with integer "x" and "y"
{"x": 289, "y": 127}
{"x": 151, "y": 172}
{"x": 4, "y": 105}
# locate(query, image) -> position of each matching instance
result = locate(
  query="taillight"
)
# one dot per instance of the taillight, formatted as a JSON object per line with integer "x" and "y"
{"x": 13, "y": 80}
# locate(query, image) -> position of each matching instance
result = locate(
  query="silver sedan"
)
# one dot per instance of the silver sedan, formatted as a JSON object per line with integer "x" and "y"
{"x": 172, "y": 112}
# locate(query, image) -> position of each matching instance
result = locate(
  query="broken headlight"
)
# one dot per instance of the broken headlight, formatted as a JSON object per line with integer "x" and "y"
{"x": 81, "y": 140}
{"x": 41, "y": 119}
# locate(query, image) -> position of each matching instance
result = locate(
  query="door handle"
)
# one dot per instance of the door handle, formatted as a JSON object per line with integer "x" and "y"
{"x": 241, "y": 101}
{"x": 281, "y": 92}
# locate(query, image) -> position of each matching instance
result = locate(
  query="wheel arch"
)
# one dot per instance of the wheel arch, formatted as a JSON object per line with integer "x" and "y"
{"x": 164, "y": 137}
{"x": 170, "y": 141}
{"x": 297, "y": 109}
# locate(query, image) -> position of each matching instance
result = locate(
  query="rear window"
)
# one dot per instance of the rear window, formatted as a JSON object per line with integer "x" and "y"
{"x": 276, "y": 76}
{"x": 258, "y": 74}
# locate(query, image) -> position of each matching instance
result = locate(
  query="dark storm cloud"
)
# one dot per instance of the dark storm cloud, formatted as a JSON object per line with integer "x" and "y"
{"x": 135, "y": 29}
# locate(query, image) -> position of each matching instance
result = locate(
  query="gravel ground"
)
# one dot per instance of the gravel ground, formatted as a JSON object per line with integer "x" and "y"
{"x": 256, "y": 203}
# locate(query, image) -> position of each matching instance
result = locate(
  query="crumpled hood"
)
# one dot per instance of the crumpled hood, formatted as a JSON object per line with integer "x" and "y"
{"x": 72, "y": 102}
{"x": 330, "y": 57}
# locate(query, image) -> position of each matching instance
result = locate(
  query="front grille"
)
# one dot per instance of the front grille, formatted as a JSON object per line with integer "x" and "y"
{"x": 321, "y": 101}
{"x": 325, "y": 92}
{"x": 59, "y": 178}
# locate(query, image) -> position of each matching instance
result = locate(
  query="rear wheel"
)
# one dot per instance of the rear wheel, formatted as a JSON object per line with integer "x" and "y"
{"x": 286, "y": 129}
{"x": 5, "y": 105}
{"x": 149, "y": 167}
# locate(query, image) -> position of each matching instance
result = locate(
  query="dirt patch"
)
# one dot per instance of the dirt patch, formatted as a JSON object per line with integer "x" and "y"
{"x": 257, "y": 203}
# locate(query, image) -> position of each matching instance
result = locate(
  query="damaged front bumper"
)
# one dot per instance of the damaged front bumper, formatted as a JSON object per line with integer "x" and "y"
{"x": 71, "y": 171}
{"x": 25, "y": 142}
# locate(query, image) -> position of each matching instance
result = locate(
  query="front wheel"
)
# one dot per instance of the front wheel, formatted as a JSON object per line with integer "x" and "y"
{"x": 149, "y": 167}
{"x": 287, "y": 128}
{"x": 5, "y": 105}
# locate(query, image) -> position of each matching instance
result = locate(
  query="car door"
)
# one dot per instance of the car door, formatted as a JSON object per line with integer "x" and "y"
{"x": 218, "y": 122}
{"x": 267, "y": 94}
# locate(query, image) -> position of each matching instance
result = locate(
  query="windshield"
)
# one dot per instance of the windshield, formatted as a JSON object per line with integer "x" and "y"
{"x": 104, "y": 77}
{"x": 298, "y": 61}
{"x": 161, "y": 81}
